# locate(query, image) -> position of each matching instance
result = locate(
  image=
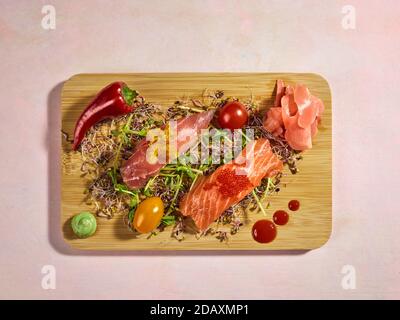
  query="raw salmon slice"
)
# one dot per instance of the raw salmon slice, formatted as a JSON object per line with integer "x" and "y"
{"x": 212, "y": 195}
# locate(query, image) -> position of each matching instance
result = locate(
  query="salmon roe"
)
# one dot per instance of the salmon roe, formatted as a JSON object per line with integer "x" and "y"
{"x": 231, "y": 184}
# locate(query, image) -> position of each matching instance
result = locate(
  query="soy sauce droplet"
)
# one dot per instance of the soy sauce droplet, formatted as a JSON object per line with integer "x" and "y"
{"x": 281, "y": 217}
{"x": 294, "y": 205}
{"x": 264, "y": 231}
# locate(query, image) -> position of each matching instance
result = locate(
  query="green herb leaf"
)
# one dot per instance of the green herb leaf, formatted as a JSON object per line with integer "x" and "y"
{"x": 168, "y": 220}
{"x": 115, "y": 133}
{"x": 123, "y": 188}
{"x": 186, "y": 170}
{"x": 147, "y": 193}
{"x": 131, "y": 214}
{"x": 113, "y": 174}
{"x": 141, "y": 133}
{"x": 134, "y": 202}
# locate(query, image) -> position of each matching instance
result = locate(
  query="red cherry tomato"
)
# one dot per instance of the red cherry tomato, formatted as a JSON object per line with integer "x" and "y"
{"x": 233, "y": 115}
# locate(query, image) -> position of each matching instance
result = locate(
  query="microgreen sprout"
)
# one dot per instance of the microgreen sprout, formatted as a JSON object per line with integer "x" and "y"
{"x": 257, "y": 199}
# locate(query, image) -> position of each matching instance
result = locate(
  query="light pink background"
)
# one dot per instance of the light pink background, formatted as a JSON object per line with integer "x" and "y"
{"x": 361, "y": 65}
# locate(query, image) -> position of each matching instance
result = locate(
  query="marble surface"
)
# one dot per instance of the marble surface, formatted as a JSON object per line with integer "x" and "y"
{"x": 361, "y": 65}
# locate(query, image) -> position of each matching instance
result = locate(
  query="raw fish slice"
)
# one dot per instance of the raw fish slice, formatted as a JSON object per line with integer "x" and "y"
{"x": 137, "y": 169}
{"x": 205, "y": 203}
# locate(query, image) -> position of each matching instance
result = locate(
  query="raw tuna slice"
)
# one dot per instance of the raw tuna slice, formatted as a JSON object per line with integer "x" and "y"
{"x": 230, "y": 183}
{"x": 137, "y": 169}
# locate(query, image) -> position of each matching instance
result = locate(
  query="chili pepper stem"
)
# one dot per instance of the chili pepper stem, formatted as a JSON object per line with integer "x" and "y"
{"x": 129, "y": 95}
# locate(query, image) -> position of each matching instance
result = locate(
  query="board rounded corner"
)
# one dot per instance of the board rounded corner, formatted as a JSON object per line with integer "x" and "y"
{"x": 323, "y": 79}
{"x": 75, "y": 75}
{"x": 324, "y": 241}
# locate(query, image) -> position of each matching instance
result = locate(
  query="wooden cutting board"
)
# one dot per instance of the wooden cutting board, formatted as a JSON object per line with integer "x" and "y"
{"x": 308, "y": 228}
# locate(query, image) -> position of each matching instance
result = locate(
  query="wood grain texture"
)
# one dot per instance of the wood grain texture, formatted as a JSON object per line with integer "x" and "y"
{"x": 308, "y": 228}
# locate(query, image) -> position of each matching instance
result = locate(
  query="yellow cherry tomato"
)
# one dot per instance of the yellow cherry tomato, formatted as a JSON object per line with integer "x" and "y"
{"x": 148, "y": 214}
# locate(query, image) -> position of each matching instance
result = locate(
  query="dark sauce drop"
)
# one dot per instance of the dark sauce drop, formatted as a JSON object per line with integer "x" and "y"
{"x": 264, "y": 231}
{"x": 294, "y": 205}
{"x": 281, "y": 217}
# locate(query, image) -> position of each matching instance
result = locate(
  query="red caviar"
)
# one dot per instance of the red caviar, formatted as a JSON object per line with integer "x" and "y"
{"x": 231, "y": 184}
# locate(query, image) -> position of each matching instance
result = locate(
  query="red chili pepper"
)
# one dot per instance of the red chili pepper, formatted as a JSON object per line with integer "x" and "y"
{"x": 112, "y": 101}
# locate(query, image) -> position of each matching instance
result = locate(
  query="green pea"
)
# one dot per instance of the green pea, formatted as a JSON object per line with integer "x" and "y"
{"x": 84, "y": 224}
